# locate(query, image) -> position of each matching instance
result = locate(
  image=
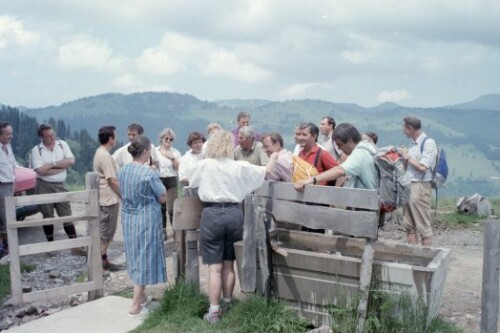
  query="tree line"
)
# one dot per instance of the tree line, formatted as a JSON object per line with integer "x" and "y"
{"x": 82, "y": 144}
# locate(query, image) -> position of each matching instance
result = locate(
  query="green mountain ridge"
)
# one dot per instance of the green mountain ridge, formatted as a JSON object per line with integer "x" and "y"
{"x": 468, "y": 131}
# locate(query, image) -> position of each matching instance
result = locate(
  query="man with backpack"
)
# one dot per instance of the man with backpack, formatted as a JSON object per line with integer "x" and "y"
{"x": 419, "y": 158}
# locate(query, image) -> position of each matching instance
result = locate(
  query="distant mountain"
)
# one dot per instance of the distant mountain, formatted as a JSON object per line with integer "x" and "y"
{"x": 466, "y": 137}
{"x": 485, "y": 102}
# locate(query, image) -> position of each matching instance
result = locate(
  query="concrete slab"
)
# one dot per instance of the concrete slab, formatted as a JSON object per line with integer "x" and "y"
{"x": 105, "y": 315}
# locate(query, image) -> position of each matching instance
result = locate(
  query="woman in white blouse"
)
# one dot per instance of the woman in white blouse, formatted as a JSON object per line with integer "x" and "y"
{"x": 191, "y": 158}
{"x": 169, "y": 158}
{"x": 222, "y": 184}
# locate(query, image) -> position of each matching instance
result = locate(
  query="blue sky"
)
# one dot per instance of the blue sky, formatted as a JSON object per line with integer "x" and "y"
{"x": 412, "y": 52}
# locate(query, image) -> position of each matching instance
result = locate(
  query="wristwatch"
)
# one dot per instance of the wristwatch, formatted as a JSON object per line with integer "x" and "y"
{"x": 314, "y": 181}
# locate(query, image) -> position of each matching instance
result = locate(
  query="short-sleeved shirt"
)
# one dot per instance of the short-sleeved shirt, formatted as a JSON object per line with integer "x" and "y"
{"x": 427, "y": 158}
{"x": 106, "y": 167}
{"x": 122, "y": 156}
{"x": 166, "y": 164}
{"x": 360, "y": 167}
{"x": 7, "y": 164}
{"x": 255, "y": 155}
{"x": 283, "y": 169}
{"x": 42, "y": 155}
{"x": 188, "y": 164}
{"x": 226, "y": 180}
{"x": 325, "y": 159}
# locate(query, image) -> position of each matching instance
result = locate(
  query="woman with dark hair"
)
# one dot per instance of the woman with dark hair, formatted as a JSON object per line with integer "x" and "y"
{"x": 191, "y": 158}
{"x": 222, "y": 184}
{"x": 142, "y": 193}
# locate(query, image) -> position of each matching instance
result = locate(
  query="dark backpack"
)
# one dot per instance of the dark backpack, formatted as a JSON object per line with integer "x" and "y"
{"x": 393, "y": 183}
{"x": 440, "y": 169}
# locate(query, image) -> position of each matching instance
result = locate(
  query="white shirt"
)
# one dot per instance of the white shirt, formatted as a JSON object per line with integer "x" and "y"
{"x": 122, "y": 156}
{"x": 330, "y": 146}
{"x": 7, "y": 165}
{"x": 166, "y": 164}
{"x": 226, "y": 180}
{"x": 188, "y": 164}
{"x": 42, "y": 155}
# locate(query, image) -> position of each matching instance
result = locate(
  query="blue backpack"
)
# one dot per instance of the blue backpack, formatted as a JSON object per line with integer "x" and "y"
{"x": 440, "y": 169}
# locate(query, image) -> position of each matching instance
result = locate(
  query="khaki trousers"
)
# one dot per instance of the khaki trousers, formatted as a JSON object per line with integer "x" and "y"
{"x": 417, "y": 215}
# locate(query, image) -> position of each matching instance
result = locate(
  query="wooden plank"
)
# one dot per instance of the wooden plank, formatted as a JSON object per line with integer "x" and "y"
{"x": 260, "y": 236}
{"x": 53, "y": 197}
{"x": 58, "y": 245}
{"x": 94, "y": 263}
{"x": 318, "y": 262}
{"x": 491, "y": 277}
{"x": 46, "y": 295}
{"x": 364, "y": 285}
{"x": 192, "y": 262}
{"x": 52, "y": 220}
{"x": 15, "y": 265}
{"x": 329, "y": 195}
{"x": 311, "y": 291}
{"x": 187, "y": 213}
{"x": 352, "y": 223}
{"x": 248, "y": 272}
{"x": 180, "y": 249}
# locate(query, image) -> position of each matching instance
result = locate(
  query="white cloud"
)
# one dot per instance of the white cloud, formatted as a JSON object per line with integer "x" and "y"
{"x": 85, "y": 52}
{"x": 128, "y": 82}
{"x": 308, "y": 89}
{"x": 12, "y": 31}
{"x": 395, "y": 96}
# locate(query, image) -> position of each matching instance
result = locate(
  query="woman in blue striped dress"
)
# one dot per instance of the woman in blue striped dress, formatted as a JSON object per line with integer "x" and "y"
{"x": 142, "y": 193}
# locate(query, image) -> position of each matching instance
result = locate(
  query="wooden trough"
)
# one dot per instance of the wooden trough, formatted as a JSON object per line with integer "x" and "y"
{"x": 320, "y": 269}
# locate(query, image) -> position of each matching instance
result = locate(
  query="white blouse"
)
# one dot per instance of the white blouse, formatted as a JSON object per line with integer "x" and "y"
{"x": 166, "y": 164}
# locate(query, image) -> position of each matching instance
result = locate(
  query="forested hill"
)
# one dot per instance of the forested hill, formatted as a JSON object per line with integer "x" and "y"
{"x": 468, "y": 131}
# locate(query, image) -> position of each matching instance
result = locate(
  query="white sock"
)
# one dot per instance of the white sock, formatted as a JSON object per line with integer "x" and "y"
{"x": 226, "y": 300}
{"x": 214, "y": 308}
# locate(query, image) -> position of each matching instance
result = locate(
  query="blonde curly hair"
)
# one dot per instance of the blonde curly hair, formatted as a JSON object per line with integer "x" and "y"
{"x": 220, "y": 145}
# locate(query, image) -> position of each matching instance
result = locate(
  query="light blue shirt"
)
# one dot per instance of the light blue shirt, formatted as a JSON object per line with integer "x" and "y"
{"x": 427, "y": 158}
{"x": 360, "y": 167}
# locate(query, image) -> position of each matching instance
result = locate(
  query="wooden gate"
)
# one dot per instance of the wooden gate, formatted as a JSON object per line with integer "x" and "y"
{"x": 92, "y": 241}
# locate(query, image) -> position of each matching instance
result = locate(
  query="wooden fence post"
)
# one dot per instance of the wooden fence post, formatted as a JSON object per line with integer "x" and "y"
{"x": 94, "y": 264}
{"x": 490, "y": 286}
{"x": 192, "y": 261}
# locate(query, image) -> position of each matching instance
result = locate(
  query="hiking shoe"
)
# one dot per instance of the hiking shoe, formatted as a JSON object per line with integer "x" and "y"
{"x": 225, "y": 307}
{"x": 212, "y": 317}
{"x": 109, "y": 266}
{"x": 79, "y": 251}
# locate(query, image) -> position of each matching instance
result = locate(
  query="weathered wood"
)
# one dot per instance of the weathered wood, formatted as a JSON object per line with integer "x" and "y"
{"x": 364, "y": 284}
{"x": 180, "y": 249}
{"x": 15, "y": 265}
{"x": 78, "y": 196}
{"x": 192, "y": 262}
{"x": 94, "y": 263}
{"x": 248, "y": 272}
{"x": 92, "y": 241}
{"x": 352, "y": 223}
{"x": 175, "y": 266}
{"x": 339, "y": 196}
{"x": 187, "y": 213}
{"x": 51, "y": 220}
{"x": 46, "y": 295}
{"x": 57, "y": 245}
{"x": 260, "y": 235}
{"x": 490, "y": 286}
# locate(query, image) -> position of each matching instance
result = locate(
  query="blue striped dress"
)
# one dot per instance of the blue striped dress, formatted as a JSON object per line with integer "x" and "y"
{"x": 142, "y": 226}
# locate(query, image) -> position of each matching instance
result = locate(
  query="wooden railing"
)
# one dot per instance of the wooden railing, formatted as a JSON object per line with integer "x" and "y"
{"x": 94, "y": 283}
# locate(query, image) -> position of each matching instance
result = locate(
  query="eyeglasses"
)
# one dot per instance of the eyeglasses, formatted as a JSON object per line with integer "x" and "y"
{"x": 168, "y": 139}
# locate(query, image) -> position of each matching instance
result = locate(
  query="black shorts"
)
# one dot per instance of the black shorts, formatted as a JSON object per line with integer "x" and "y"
{"x": 220, "y": 228}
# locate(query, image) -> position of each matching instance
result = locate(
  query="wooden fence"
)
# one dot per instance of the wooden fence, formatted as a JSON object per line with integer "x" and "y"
{"x": 94, "y": 283}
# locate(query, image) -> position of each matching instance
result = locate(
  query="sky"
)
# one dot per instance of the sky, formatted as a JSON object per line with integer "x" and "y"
{"x": 413, "y": 52}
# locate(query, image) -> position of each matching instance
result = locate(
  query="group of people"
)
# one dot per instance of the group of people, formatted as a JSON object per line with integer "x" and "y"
{"x": 144, "y": 178}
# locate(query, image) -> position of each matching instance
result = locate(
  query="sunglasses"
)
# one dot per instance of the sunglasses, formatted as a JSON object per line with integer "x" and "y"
{"x": 168, "y": 139}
